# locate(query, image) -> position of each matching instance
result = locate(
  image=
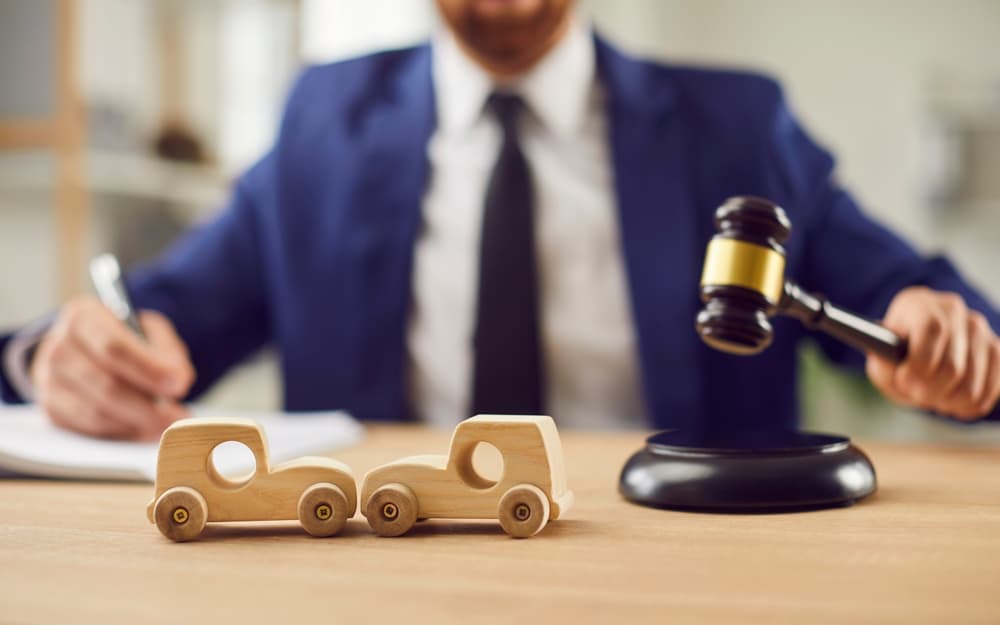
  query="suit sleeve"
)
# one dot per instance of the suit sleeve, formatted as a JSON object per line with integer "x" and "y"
{"x": 848, "y": 256}
{"x": 9, "y": 393}
{"x": 211, "y": 283}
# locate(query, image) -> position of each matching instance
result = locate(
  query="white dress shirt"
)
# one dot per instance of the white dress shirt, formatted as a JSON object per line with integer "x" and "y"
{"x": 587, "y": 331}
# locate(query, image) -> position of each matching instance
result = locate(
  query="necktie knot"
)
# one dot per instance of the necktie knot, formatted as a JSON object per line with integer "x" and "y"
{"x": 507, "y": 107}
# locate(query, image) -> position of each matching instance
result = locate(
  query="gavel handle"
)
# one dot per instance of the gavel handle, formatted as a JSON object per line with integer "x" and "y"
{"x": 817, "y": 313}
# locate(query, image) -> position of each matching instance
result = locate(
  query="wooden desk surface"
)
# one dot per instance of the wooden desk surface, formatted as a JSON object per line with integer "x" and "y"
{"x": 924, "y": 549}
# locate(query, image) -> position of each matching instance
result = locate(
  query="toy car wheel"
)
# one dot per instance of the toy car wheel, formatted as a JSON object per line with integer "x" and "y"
{"x": 180, "y": 513}
{"x": 391, "y": 510}
{"x": 322, "y": 509}
{"x": 523, "y": 511}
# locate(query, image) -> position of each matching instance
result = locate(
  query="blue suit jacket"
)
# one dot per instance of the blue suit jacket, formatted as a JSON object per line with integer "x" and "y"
{"x": 314, "y": 254}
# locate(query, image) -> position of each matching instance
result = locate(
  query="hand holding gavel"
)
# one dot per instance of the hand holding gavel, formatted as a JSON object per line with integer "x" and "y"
{"x": 931, "y": 351}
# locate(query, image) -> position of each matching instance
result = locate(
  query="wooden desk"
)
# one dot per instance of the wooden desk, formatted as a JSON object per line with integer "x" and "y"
{"x": 924, "y": 549}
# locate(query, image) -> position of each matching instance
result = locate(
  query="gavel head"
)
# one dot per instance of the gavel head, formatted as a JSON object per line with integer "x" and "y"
{"x": 744, "y": 275}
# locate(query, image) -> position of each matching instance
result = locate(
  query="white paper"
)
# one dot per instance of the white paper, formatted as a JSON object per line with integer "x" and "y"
{"x": 31, "y": 445}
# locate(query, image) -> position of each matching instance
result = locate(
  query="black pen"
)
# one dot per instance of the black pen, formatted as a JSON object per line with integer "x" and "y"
{"x": 106, "y": 274}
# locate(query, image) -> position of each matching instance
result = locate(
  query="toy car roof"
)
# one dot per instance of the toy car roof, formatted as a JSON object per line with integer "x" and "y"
{"x": 507, "y": 418}
{"x": 206, "y": 426}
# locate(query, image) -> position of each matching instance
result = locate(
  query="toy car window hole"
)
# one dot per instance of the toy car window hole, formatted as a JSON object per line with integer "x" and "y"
{"x": 232, "y": 464}
{"x": 480, "y": 465}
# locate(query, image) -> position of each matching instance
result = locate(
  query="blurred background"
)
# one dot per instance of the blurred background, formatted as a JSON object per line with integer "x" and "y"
{"x": 124, "y": 121}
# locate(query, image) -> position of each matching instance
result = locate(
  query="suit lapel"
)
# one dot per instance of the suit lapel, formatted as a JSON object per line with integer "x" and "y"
{"x": 397, "y": 129}
{"x": 658, "y": 231}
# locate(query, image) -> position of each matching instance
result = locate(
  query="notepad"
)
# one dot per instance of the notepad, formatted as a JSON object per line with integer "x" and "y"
{"x": 31, "y": 446}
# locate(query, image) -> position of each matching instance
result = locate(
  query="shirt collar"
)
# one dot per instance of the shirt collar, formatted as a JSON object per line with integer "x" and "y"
{"x": 557, "y": 89}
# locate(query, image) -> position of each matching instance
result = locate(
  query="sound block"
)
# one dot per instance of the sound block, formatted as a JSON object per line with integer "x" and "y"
{"x": 752, "y": 471}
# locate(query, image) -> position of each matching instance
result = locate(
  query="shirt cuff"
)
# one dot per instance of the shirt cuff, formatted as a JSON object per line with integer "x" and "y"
{"x": 17, "y": 357}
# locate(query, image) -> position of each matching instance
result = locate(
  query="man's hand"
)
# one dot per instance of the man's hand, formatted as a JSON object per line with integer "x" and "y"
{"x": 93, "y": 375}
{"x": 953, "y": 364}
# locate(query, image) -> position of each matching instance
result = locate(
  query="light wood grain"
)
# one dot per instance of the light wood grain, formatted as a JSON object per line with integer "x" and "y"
{"x": 449, "y": 487}
{"x": 72, "y": 201}
{"x": 270, "y": 493}
{"x": 924, "y": 549}
{"x": 27, "y": 134}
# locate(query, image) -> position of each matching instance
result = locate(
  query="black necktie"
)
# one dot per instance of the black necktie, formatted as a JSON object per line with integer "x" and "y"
{"x": 508, "y": 352}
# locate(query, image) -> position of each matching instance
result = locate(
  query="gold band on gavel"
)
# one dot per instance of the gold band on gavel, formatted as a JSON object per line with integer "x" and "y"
{"x": 730, "y": 262}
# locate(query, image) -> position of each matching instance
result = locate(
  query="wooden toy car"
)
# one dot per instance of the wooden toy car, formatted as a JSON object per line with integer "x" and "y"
{"x": 531, "y": 490}
{"x": 319, "y": 492}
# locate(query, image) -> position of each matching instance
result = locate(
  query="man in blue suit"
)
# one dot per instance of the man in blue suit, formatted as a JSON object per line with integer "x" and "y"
{"x": 510, "y": 219}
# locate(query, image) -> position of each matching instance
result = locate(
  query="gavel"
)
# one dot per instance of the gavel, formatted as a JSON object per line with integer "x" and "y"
{"x": 743, "y": 285}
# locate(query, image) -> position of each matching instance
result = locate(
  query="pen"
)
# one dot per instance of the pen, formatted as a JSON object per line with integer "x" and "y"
{"x": 106, "y": 274}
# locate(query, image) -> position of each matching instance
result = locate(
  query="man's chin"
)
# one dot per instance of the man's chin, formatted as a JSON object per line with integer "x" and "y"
{"x": 506, "y": 36}
{"x": 511, "y": 36}
{"x": 506, "y": 44}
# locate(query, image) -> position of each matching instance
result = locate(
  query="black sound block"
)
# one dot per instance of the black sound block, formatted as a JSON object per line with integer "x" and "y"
{"x": 754, "y": 471}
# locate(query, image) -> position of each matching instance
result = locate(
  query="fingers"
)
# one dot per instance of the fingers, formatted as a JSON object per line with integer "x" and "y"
{"x": 66, "y": 411}
{"x": 882, "y": 374}
{"x": 116, "y": 408}
{"x": 937, "y": 330}
{"x": 117, "y": 349}
{"x": 950, "y": 372}
{"x": 163, "y": 338}
{"x": 950, "y": 367}
{"x": 91, "y": 380}
{"x": 987, "y": 402}
{"x": 84, "y": 399}
{"x": 966, "y": 397}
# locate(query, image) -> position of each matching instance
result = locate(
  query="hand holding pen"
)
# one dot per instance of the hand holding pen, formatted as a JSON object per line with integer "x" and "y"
{"x": 103, "y": 370}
